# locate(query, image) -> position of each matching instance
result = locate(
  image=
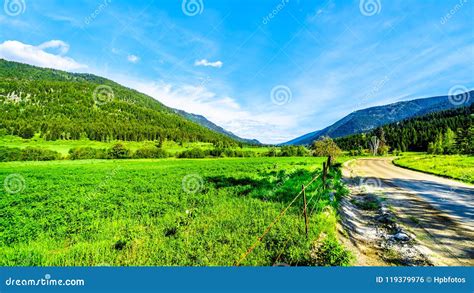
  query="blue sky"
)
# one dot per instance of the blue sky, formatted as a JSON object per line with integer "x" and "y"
{"x": 272, "y": 71}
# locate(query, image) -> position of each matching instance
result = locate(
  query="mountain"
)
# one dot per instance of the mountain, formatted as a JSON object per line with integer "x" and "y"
{"x": 204, "y": 122}
{"x": 370, "y": 118}
{"x": 62, "y": 105}
{"x": 416, "y": 134}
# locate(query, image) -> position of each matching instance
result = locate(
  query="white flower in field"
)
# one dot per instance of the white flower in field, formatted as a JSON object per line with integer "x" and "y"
{"x": 187, "y": 212}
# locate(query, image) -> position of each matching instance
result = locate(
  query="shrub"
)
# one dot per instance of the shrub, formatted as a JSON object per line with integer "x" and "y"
{"x": 217, "y": 152}
{"x": 9, "y": 154}
{"x": 195, "y": 153}
{"x": 383, "y": 150}
{"x": 228, "y": 152}
{"x": 331, "y": 253}
{"x": 293, "y": 151}
{"x": 357, "y": 152}
{"x": 83, "y": 153}
{"x": 38, "y": 154}
{"x": 271, "y": 153}
{"x": 325, "y": 147}
{"x": 119, "y": 151}
{"x": 397, "y": 152}
{"x": 150, "y": 153}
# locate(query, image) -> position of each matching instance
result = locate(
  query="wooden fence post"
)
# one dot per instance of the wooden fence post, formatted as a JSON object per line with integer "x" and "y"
{"x": 325, "y": 171}
{"x": 304, "y": 211}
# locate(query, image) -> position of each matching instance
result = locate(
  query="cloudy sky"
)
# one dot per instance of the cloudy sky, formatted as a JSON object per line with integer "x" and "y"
{"x": 271, "y": 71}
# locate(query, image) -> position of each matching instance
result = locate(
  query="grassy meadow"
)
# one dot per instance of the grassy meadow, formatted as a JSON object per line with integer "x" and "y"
{"x": 166, "y": 212}
{"x": 452, "y": 166}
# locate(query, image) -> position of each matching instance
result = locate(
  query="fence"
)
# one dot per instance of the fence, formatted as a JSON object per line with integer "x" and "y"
{"x": 326, "y": 166}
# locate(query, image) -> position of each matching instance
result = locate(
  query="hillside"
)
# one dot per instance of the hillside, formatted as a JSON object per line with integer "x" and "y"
{"x": 415, "y": 134}
{"x": 62, "y": 105}
{"x": 206, "y": 123}
{"x": 370, "y": 118}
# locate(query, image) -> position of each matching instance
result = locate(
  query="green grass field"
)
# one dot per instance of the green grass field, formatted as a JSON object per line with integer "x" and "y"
{"x": 162, "y": 212}
{"x": 451, "y": 166}
{"x": 63, "y": 146}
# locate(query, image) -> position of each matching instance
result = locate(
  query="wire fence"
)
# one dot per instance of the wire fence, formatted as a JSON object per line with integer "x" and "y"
{"x": 323, "y": 186}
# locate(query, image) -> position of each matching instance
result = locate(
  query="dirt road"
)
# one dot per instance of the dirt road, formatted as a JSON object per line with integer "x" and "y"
{"x": 403, "y": 217}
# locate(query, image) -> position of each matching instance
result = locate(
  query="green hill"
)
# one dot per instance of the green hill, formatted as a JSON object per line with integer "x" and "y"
{"x": 62, "y": 105}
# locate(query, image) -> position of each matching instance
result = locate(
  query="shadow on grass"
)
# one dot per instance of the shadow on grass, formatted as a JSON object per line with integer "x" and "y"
{"x": 271, "y": 186}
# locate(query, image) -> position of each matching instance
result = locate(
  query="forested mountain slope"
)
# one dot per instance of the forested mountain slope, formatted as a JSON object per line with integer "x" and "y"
{"x": 417, "y": 133}
{"x": 62, "y": 105}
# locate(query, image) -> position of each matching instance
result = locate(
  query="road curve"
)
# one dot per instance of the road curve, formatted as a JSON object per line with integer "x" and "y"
{"x": 443, "y": 208}
{"x": 451, "y": 197}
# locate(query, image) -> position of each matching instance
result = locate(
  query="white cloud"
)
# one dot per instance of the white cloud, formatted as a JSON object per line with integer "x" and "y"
{"x": 206, "y": 63}
{"x": 133, "y": 58}
{"x": 272, "y": 126}
{"x": 36, "y": 55}
{"x": 60, "y": 45}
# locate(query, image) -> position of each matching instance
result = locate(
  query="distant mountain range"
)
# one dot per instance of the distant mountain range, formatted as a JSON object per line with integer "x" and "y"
{"x": 62, "y": 105}
{"x": 367, "y": 119}
{"x": 206, "y": 123}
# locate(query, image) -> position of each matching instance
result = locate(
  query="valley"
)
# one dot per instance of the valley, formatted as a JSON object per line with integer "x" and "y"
{"x": 98, "y": 174}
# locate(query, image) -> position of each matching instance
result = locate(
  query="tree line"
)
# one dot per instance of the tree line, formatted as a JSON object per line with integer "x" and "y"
{"x": 119, "y": 151}
{"x": 447, "y": 132}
